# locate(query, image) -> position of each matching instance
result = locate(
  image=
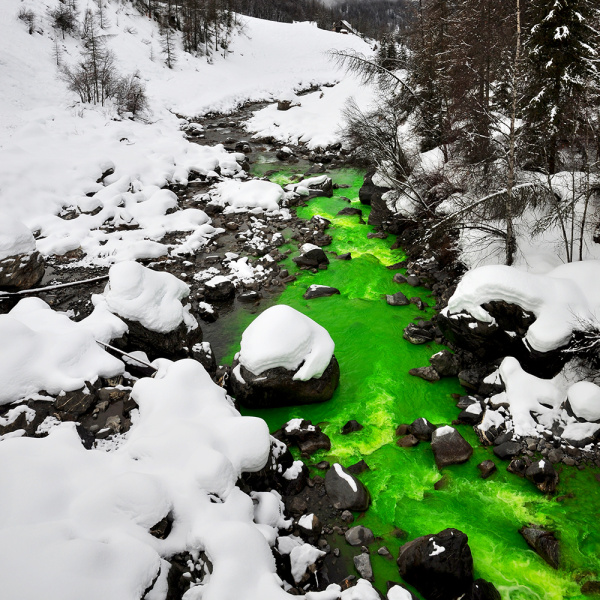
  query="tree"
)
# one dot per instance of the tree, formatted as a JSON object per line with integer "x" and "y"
{"x": 64, "y": 18}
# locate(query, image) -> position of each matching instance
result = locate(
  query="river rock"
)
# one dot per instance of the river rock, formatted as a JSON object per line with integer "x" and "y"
{"x": 346, "y": 256}
{"x": 418, "y": 335}
{"x": 358, "y": 467}
{"x": 351, "y": 426}
{"x": 350, "y": 211}
{"x": 75, "y": 403}
{"x": 439, "y": 566}
{"x": 277, "y": 387}
{"x": 21, "y": 271}
{"x": 311, "y": 257}
{"x": 219, "y": 289}
{"x": 445, "y": 363}
{"x": 426, "y": 373}
{"x": 319, "y": 291}
{"x": 482, "y": 590}
{"x": 544, "y": 543}
{"x": 345, "y": 491}
{"x": 422, "y": 429}
{"x": 362, "y": 562}
{"x": 397, "y": 299}
{"x": 472, "y": 415}
{"x": 449, "y": 447}
{"x": 408, "y": 441}
{"x": 359, "y": 536}
{"x": 507, "y": 450}
{"x": 486, "y": 468}
{"x": 543, "y": 475}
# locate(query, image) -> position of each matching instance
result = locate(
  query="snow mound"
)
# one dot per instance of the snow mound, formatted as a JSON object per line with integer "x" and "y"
{"x": 48, "y": 351}
{"x": 149, "y": 297}
{"x": 249, "y": 195}
{"x": 561, "y": 299}
{"x": 584, "y": 398}
{"x": 283, "y": 337}
{"x": 15, "y": 237}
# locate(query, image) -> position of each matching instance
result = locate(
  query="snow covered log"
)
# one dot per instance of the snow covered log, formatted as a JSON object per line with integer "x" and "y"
{"x": 285, "y": 359}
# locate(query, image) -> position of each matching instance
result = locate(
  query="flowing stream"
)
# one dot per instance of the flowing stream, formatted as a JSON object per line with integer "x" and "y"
{"x": 376, "y": 390}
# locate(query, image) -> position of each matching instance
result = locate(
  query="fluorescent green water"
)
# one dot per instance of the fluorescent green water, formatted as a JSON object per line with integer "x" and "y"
{"x": 376, "y": 390}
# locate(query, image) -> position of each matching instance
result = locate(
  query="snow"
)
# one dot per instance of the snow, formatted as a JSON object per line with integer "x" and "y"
{"x": 306, "y": 521}
{"x": 443, "y": 431}
{"x": 436, "y": 549}
{"x": 248, "y": 195}
{"x": 149, "y": 297}
{"x": 363, "y": 590}
{"x": 294, "y": 471}
{"x": 345, "y": 476}
{"x": 15, "y": 237}
{"x": 398, "y": 593}
{"x": 561, "y": 300}
{"x": 584, "y": 398}
{"x": 283, "y": 337}
{"x": 302, "y": 557}
{"x": 48, "y": 351}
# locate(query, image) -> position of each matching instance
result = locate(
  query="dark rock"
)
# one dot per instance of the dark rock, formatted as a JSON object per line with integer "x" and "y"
{"x": 472, "y": 415}
{"x": 362, "y": 562}
{"x": 312, "y": 258}
{"x": 284, "y": 105}
{"x": 426, "y": 373}
{"x": 482, "y": 590}
{"x": 319, "y": 291}
{"x": 397, "y": 299}
{"x": 21, "y": 271}
{"x": 357, "y": 468}
{"x": 308, "y": 437}
{"x": 422, "y": 429}
{"x": 75, "y": 403}
{"x": 350, "y": 211}
{"x": 347, "y": 256}
{"x": 466, "y": 401}
{"x": 486, "y": 468}
{"x": 417, "y": 335}
{"x": 359, "y": 536}
{"x": 445, "y": 363}
{"x": 413, "y": 280}
{"x": 370, "y": 192}
{"x": 449, "y": 447}
{"x": 351, "y": 426}
{"x": 544, "y": 543}
{"x": 503, "y": 437}
{"x": 543, "y": 475}
{"x": 345, "y": 491}
{"x": 439, "y": 566}
{"x": 518, "y": 466}
{"x": 220, "y": 290}
{"x": 377, "y": 235}
{"x": 408, "y": 441}
{"x": 508, "y": 450}
{"x": 402, "y": 429}
{"x": 399, "y": 278}
{"x": 323, "y": 465}
{"x": 204, "y": 355}
{"x": 277, "y": 387}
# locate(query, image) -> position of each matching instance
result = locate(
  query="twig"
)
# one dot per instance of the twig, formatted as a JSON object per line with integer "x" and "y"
{"x": 142, "y": 362}
{"x": 5, "y": 295}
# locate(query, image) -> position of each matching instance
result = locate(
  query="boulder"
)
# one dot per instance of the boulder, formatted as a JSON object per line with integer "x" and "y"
{"x": 486, "y": 468}
{"x": 439, "y": 566}
{"x": 397, "y": 299}
{"x": 311, "y": 257}
{"x": 445, "y": 363}
{"x": 75, "y": 403}
{"x": 543, "y": 475}
{"x": 544, "y": 543}
{"x": 449, "y": 447}
{"x": 508, "y": 450}
{"x": 482, "y": 590}
{"x": 359, "y": 536}
{"x": 21, "y": 271}
{"x": 422, "y": 429}
{"x": 426, "y": 373}
{"x": 362, "y": 562}
{"x": 350, "y": 211}
{"x": 351, "y": 426}
{"x": 418, "y": 335}
{"x": 319, "y": 291}
{"x": 219, "y": 289}
{"x": 345, "y": 491}
{"x": 277, "y": 387}
{"x": 408, "y": 441}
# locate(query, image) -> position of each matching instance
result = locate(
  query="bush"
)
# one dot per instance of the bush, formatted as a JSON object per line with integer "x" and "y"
{"x": 64, "y": 18}
{"x": 28, "y": 17}
{"x": 130, "y": 95}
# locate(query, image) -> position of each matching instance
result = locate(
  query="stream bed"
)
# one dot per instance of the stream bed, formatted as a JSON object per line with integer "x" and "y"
{"x": 376, "y": 390}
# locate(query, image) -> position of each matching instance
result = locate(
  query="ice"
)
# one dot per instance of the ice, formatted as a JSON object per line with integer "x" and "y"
{"x": 283, "y": 337}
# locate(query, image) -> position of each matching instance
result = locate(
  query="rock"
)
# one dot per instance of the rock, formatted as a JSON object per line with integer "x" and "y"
{"x": 472, "y": 415}
{"x": 413, "y": 280}
{"x": 397, "y": 299}
{"x": 219, "y": 289}
{"x": 345, "y": 491}
{"x": 311, "y": 257}
{"x": 486, "y": 468}
{"x": 449, "y": 447}
{"x": 357, "y": 468}
{"x": 417, "y": 335}
{"x": 518, "y": 466}
{"x": 277, "y": 387}
{"x": 75, "y": 403}
{"x": 482, "y": 590}
{"x": 383, "y": 551}
{"x": 544, "y": 543}
{"x": 422, "y": 429}
{"x": 399, "y": 278}
{"x": 302, "y": 433}
{"x": 543, "y": 475}
{"x": 284, "y": 105}
{"x": 319, "y": 291}
{"x": 347, "y": 516}
{"x": 321, "y": 185}
{"x": 351, "y": 426}
{"x": 507, "y": 450}
{"x": 426, "y": 373}
{"x": 362, "y": 562}
{"x": 408, "y": 441}
{"x": 284, "y": 153}
{"x": 347, "y": 256}
{"x": 439, "y": 566}
{"x": 21, "y": 271}
{"x": 204, "y": 355}
{"x": 359, "y": 536}
{"x": 591, "y": 587}
{"x": 445, "y": 363}
{"x": 350, "y": 211}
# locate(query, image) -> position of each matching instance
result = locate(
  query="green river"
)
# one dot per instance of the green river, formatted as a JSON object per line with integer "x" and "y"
{"x": 376, "y": 390}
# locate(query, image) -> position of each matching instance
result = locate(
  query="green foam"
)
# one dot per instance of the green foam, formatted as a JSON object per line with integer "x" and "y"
{"x": 376, "y": 390}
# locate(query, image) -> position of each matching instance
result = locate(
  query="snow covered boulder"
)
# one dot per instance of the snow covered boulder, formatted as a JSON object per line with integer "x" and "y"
{"x": 449, "y": 447}
{"x": 439, "y": 566}
{"x": 584, "y": 401}
{"x": 311, "y": 257}
{"x": 243, "y": 196}
{"x": 345, "y": 491}
{"x": 219, "y": 289}
{"x": 21, "y": 265}
{"x": 285, "y": 359}
{"x": 150, "y": 303}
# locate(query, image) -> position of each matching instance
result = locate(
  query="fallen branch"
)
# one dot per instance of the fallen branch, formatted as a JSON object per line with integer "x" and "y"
{"x": 122, "y": 353}
{"x": 58, "y": 286}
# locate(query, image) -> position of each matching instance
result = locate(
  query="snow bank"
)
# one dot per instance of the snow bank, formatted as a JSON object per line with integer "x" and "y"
{"x": 283, "y": 337}
{"x": 250, "y": 195}
{"x": 561, "y": 300}
{"x": 15, "y": 237}
{"x": 45, "y": 350}
{"x": 152, "y": 298}
{"x": 584, "y": 398}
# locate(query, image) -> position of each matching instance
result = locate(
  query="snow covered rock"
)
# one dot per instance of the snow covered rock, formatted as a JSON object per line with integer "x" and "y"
{"x": 150, "y": 303}
{"x": 319, "y": 291}
{"x": 311, "y": 257}
{"x": 48, "y": 351}
{"x": 439, "y": 566}
{"x": 21, "y": 265}
{"x": 285, "y": 359}
{"x": 254, "y": 196}
{"x": 449, "y": 447}
{"x": 345, "y": 491}
{"x": 219, "y": 289}
{"x": 584, "y": 400}
{"x": 302, "y": 433}
{"x": 543, "y": 475}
